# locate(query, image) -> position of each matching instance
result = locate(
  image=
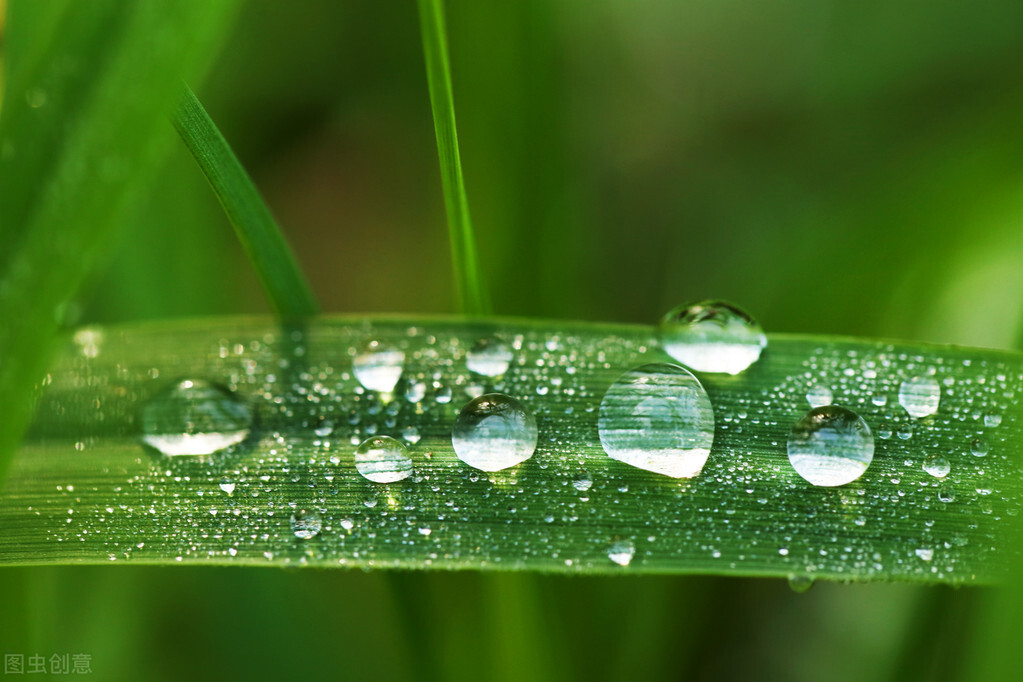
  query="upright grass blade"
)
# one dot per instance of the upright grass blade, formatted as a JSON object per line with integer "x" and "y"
{"x": 275, "y": 264}
{"x": 472, "y": 292}
{"x": 80, "y": 139}
{"x": 85, "y": 489}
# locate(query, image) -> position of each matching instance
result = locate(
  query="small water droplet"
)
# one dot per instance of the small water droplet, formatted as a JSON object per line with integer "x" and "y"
{"x": 819, "y": 395}
{"x": 494, "y": 432}
{"x": 712, "y": 336}
{"x": 323, "y": 429}
{"x": 925, "y": 553}
{"x": 195, "y": 418}
{"x": 979, "y": 447}
{"x": 415, "y": 392}
{"x": 621, "y": 551}
{"x": 227, "y": 486}
{"x": 799, "y": 583}
{"x": 382, "y": 459}
{"x": 657, "y": 417}
{"x": 879, "y": 399}
{"x": 946, "y": 494}
{"x": 378, "y": 366}
{"x": 306, "y": 524}
{"x": 583, "y": 483}
{"x": 937, "y": 466}
{"x": 830, "y": 446}
{"x": 489, "y": 357}
{"x": 411, "y": 435}
{"x": 992, "y": 419}
{"x": 905, "y": 431}
{"x": 920, "y": 396}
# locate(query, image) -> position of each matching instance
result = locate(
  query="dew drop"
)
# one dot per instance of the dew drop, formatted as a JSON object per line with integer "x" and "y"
{"x": 979, "y": 447}
{"x": 489, "y": 357}
{"x": 583, "y": 483}
{"x": 712, "y": 336}
{"x": 937, "y": 466}
{"x": 800, "y": 583}
{"x": 819, "y": 395}
{"x": 195, "y": 418}
{"x": 494, "y": 432}
{"x": 383, "y": 459}
{"x": 879, "y": 399}
{"x": 992, "y": 419}
{"x": 621, "y": 551}
{"x": 830, "y": 446}
{"x": 657, "y": 417}
{"x": 920, "y": 396}
{"x": 925, "y": 553}
{"x": 378, "y": 366}
{"x": 306, "y": 524}
{"x": 227, "y": 486}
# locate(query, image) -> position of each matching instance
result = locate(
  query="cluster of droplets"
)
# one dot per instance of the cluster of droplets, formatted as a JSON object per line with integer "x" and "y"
{"x": 656, "y": 417}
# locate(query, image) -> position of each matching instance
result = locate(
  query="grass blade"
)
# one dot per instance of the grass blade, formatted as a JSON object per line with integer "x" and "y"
{"x": 263, "y": 241}
{"x": 78, "y": 147}
{"x": 747, "y": 513}
{"x": 472, "y": 293}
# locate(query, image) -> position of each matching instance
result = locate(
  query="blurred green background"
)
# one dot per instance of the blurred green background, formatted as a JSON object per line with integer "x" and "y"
{"x": 835, "y": 168}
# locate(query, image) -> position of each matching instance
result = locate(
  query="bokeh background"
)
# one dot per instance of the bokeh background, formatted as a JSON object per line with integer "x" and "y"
{"x": 834, "y": 168}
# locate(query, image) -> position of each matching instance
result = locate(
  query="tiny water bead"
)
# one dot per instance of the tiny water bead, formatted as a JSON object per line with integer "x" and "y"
{"x": 378, "y": 366}
{"x": 830, "y": 446}
{"x": 819, "y": 395}
{"x": 712, "y": 336}
{"x": 383, "y": 459}
{"x": 621, "y": 551}
{"x": 306, "y": 524}
{"x": 489, "y": 357}
{"x": 195, "y": 418}
{"x": 494, "y": 432}
{"x": 937, "y": 466}
{"x": 800, "y": 583}
{"x": 920, "y": 396}
{"x": 657, "y": 417}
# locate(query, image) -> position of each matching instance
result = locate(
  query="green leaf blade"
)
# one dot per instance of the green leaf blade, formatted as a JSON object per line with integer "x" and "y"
{"x": 264, "y": 243}
{"x": 747, "y": 513}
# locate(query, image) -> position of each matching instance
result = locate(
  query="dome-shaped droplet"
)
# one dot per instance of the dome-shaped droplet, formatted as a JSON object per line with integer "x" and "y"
{"x": 920, "y": 396}
{"x": 621, "y": 551}
{"x": 195, "y": 418}
{"x": 819, "y": 395}
{"x": 657, "y": 417}
{"x": 306, "y": 524}
{"x": 712, "y": 336}
{"x": 937, "y": 466}
{"x": 489, "y": 357}
{"x": 378, "y": 366}
{"x": 494, "y": 432}
{"x": 383, "y": 459}
{"x": 830, "y": 446}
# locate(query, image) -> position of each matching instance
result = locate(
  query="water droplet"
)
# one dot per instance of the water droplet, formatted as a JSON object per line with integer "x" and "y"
{"x": 583, "y": 483}
{"x": 621, "y": 551}
{"x": 905, "y": 431}
{"x": 195, "y": 417}
{"x": 382, "y": 459}
{"x": 819, "y": 395}
{"x": 306, "y": 524}
{"x": 992, "y": 419}
{"x": 920, "y": 396}
{"x": 925, "y": 553}
{"x": 800, "y": 583}
{"x": 415, "y": 392}
{"x": 411, "y": 435}
{"x": 494, "y": 432}
{"x": 830, "y": 446}
{"x": 657, "y": 417}
{"x": 227, "y": 486}
{"x": 712, "y": 336}
{"x": 979, "y": 447}
{"x": 323, "y": 429}
{"x": 879, "y": 399}
{"x": 489, "y": 357}
{"x": 378, "y": 366}
{"x": 946, "y": 495}
{"x": 937, "y": 466}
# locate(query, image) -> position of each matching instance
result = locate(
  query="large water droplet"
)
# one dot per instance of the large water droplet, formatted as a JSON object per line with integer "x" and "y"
{"x": 494, "y": 432}
{"x": 195, "y": 417}
{"x": 378, "y": 366}
{"x": 712, "y": 336}
{"x": 657, "y": 417}
{"x": 489, "y": 357}
{"x": 383, "y": 459}
{"x": 621, "y": 551}
{"x": 830, "y": 446}
{"x": 306, "y": 524}
{"x": 920, "y": 396}
{"x": 937, "y": 466}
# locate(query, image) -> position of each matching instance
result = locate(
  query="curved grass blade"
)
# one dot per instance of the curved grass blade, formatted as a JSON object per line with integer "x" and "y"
{"x": 78, "y": 147}
{"x": 264, "y": 243}
{"x": 472, "y": 291}
{"x": 85, "y": 490}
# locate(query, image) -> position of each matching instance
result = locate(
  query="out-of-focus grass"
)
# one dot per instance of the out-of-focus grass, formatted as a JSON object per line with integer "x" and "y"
{"x": 835, "y": 169}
